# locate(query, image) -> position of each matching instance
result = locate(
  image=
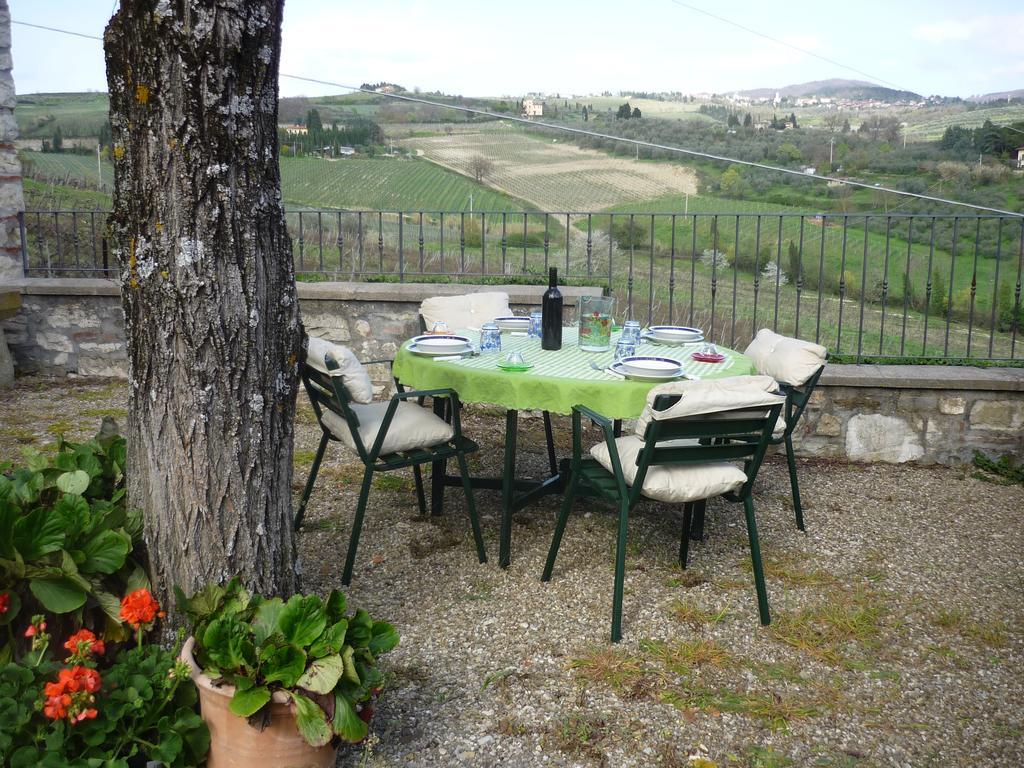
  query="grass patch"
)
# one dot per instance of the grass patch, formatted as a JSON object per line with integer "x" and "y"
{"x": 773, "y": 709}
{"x": 683, "y": 656}
{"x": 789, "y": 569}
{"x": 829, "y": 631}
{"x": 694, "y": 615}
{"x": 687, "y": 579}
{"x": 480, "y": 590}
{"x": 60, "y": 428}
{"x": 578, "y": 735}
{"x": 303, "y": 458}
{"x": 391, "y": 482}
{"x": 991, "y": 634}
{"x": 613, "y": 667}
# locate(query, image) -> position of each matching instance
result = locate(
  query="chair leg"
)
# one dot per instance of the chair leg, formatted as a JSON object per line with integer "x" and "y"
{"x": 791, "y": 460}
{"x": 755, "y": 556}
{"x": 684, "y": 540}
{"x": 620, "y": 571}
{"x": 550, "y": 440}
{"x": 563, "y": 517}
{"x": 697, "y": 522}
{"x": 421, "y": 499}
{"x": 312, "y": 478}
{"x": 357, "y": 525}
{"x": 481, "y": 553}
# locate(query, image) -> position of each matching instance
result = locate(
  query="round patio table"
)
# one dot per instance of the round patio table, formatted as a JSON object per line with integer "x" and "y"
{"x": 558, "y": 380}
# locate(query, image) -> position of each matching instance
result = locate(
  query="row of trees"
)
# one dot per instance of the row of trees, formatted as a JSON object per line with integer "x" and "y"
{"x": 989, "y": 139}
{"x": 627, "y": 113}
{"x": 358, "y": 132}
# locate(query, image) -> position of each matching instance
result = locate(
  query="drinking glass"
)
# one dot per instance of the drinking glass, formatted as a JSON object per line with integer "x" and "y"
{"x": 625, "y": 348}
{"x": 439, "y": 327}
{"x": 490, "y": 338}
{"x": 535, "y": 321}
{"x": 631, "y": 330}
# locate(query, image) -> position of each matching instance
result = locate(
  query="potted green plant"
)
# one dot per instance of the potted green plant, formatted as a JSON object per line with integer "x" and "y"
{"x": 282, "y": 682}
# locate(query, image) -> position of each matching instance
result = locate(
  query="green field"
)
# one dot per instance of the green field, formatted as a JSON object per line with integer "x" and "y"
{"x": 353, "y": 183}
{"x": 931, "y": 124}
{"x": 77, "y": 114}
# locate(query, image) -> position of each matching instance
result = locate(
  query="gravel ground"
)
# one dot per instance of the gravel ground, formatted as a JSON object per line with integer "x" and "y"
{"x": 897, "y": 635}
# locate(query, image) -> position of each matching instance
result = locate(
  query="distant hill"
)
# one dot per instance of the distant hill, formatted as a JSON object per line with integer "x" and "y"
{"x": 997, "y": 96}
{"x": 835, "y": 88}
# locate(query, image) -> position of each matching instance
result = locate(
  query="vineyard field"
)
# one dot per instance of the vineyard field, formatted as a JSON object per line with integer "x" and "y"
{"x": 552, "y": 174}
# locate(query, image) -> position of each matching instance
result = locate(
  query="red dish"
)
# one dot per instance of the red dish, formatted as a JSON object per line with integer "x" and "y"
{"x": 701, "y": 358}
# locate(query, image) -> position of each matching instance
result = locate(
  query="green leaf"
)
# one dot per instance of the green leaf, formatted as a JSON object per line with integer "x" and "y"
{"x": 331, "y": 641}
{"x": 311, "y": 720}
{"x": 137, "y": 579}
{"x": 38, "y": 533}
{"x": 105, "y": 553}
{"x": 74, "y": 482}
{"x": 322, "y": 675}
{"x": 58, "y": 595}
{"x": 249, "y": 702}
{"x": 265, "y": 623}
{"x": 283, "y": 664}
{"x": 203, "y": 603}
{"x": 226, "y": 642}
{"x": 110, "y": 604}
{"x": 302, "y": 620}
{"x": 384, "y": 638}
{"x": 335, "y": 606}
{"x": 347, "y": 723}
{"x": 350, "y": 674}
{"x": 13, "y": 607}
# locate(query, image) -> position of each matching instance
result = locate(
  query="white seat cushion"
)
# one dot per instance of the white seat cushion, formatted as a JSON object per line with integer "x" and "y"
{"x": 697, "y": 398}
{"x": 412, "y": 427}
{"x": 470, "y": 310}
{"x": 787, "y": 360}
{"x": 352, "y": 372}
{"x": 679, "y": 483}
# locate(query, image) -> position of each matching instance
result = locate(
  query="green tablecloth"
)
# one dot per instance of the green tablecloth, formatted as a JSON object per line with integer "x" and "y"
{"x": 558, "y": 380}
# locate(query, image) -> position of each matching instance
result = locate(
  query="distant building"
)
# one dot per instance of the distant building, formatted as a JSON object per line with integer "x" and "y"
{"x": 346, "y": 151}
{"x": 387, "y": 88}
{"x": 1020, "y": 157}
{"x": 533, "y": 108}
{"x": 295, "y": 129}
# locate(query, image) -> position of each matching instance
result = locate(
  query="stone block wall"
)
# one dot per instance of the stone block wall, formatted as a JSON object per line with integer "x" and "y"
{"x": 11, "y": 199}
{"x": 925, "y": 414}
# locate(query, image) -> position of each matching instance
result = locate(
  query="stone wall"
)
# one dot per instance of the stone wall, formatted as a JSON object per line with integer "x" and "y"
{"x": 860, "y": 412}
{"x": 11, "y": 200}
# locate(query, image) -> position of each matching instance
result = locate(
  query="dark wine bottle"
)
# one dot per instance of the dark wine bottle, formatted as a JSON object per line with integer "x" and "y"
{"x": 551, "y": 314}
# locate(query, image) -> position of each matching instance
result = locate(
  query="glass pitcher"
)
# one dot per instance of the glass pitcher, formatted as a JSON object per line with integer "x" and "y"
{"x": 595, "y": 318}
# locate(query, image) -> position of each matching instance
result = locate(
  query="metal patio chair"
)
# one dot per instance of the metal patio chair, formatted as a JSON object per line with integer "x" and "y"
{"x": 675, "y": 460}
{"x": 386, "y": 435}
{"x": 796, "y": 365}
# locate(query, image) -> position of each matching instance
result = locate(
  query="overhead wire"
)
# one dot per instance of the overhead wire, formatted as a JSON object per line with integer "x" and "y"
{"x": 607, "y": 136}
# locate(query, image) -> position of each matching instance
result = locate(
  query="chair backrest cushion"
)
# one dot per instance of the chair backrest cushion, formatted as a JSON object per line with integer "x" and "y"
{"x": 787, "y": 360}
{"x": 698, "y": 398}
{"x": 353, "y": 374}
{"x": 466, "y": 311}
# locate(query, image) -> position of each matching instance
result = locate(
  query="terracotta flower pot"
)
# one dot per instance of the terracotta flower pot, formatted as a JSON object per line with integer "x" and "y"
{"x": 236, "y": 744}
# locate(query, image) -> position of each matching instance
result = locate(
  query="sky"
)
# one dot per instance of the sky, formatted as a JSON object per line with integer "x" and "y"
{"x": 578, "y": 47}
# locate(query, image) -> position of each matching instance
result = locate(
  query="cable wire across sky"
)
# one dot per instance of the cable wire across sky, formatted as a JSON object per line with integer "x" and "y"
{"x": 599, "y": 135}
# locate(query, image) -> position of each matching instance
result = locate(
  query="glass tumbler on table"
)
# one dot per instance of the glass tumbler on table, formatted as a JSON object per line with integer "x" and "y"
{"x": 631, "y": 330}
{"x": 490, "y": 338}
{"x": 535, "y": 322}
{"x": 626, "y": 347}
{"x": 595, "y": 323}
{"x": 440, "y": 327}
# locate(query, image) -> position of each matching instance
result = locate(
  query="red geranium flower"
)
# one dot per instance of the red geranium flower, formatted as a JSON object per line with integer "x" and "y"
{"x": 85, "y": 643}
{"x": 140, "y": 608}
{"x": 5, "y": 602}
{"x": 71, "y": 695}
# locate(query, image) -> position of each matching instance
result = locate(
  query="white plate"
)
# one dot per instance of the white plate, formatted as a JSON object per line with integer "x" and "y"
{"x": 675, "y": 334}
{"x": 439, "y": 345}
{"x": 618, "y": 369}
{"x": 647, "y": 336}
{"x": 646, "y": 365}
{"x": 513, "y": 323}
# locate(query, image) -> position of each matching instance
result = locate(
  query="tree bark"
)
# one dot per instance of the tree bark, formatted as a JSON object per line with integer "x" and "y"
{"x": 208, "y": 288}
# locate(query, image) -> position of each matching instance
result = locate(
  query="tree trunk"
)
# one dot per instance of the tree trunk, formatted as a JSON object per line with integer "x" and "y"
{"x": 208, "y": 288}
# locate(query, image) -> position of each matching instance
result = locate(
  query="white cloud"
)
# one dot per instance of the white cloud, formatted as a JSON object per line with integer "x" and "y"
{"x": 946, "y": 31}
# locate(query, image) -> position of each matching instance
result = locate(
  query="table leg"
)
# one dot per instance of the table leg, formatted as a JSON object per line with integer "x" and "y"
{"x": 508, "y": 488}
{"x": 438, "y": 469}
{"x": 549, "y": 438}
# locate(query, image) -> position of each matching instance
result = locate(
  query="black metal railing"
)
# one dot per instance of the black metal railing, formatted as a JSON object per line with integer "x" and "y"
{"x": 864, "y": 284}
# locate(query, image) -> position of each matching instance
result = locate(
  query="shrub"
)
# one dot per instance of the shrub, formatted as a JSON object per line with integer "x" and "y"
{"x": 67, "y": 538}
